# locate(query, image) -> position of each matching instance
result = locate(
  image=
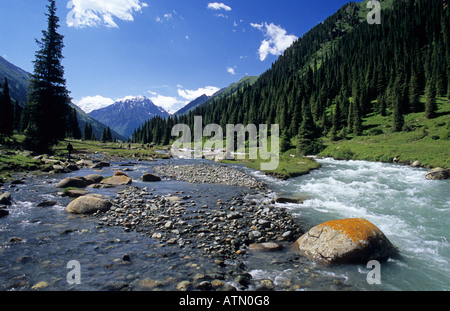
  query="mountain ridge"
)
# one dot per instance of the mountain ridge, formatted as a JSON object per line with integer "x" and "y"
{"x": 126, "y": 115}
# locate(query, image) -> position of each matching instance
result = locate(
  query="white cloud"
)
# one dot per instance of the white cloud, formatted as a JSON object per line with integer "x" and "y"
{"x": 91, "y": 13}
{"x": 231, "y": 70}
{"x": 190, "y": 95}
{"x": 276, "y": 39}
{"x": 218, "y": 6}
{"x": 91, "y": 103}
{"x": 166, "y": 17}
{"x": 169, "y": 103}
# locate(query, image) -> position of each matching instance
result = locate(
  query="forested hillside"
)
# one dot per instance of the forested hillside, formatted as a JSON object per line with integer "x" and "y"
{"x": 341, "y": 71}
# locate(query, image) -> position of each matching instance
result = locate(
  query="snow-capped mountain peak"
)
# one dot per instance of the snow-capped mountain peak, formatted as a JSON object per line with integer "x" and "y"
{"x": 128, "y": 113}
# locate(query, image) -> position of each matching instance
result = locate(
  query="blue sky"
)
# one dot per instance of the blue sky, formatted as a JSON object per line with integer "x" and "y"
{"x": 170, "y": 51}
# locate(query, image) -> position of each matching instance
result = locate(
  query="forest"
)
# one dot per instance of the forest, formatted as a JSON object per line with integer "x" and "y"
{"x": 338, "y": 73}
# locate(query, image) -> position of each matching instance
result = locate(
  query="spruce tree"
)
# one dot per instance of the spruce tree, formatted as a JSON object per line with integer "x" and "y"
{"x": 48, "y": 98}
{"x": 430, "y": 99}
{"x": 6, "y": 111}
{"x": 398, "y": 118}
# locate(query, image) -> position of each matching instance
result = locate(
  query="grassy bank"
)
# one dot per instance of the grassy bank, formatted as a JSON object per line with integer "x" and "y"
{"x": 14, "y": 159}
{"x": 425, "y": 140}
{"x": 290, "y": 165}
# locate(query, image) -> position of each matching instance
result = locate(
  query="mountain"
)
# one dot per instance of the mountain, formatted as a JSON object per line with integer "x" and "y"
{"x": 193, "y": 104}
{"x": 18, "y": 85}
{"x": 204, "y": 100}
{"x": 341, "y": 72}
{"x": 126, "y": 115}
{"x": 17, "y": 80}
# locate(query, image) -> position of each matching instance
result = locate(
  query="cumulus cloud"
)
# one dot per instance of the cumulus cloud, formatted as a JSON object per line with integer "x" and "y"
{"x": 169, "y": 103}
{"x": 91, "y": 13}
{"x": 276, "y": 39}
{"x": 91, "y": 103}
{"x": 190, "y": 95}
{"x": 231, "y": 70}
{"x": 218, "y": 6}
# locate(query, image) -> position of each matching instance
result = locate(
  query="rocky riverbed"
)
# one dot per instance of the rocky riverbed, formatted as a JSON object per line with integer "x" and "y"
{"x": 206, "y": 173}
{"x": 202, "y": 227}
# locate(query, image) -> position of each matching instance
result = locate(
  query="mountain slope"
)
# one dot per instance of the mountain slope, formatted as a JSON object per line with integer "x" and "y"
{"x": 18, "y": 84}
{"x": 193, "y": 104}
{"x": 227, "y": 91}
{"x": 344, "y": 71}
{"x": 17, "y": 80}
{"x": 126, "y": 115}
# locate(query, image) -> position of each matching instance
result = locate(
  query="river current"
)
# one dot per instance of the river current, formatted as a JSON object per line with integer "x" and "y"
{"x": 414, "y": 213}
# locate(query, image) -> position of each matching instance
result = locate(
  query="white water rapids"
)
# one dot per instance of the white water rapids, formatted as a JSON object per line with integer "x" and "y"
{"x": 414, "y": 213}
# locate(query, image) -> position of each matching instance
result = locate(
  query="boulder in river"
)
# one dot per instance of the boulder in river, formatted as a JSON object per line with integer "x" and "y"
{"x": 100, "y": 165}
{"x": 3, "y": 212}
{"x": 345, "y": 241}
{"x": 5, "y": 198}
{"x": 150, "y": 178}
{"x": 89, "y": 204}
{"x": 438, "y": 173}
{"x": 75, "y": 182}
{"x": 93, "y": 178}
{"x": 120, "y": 180}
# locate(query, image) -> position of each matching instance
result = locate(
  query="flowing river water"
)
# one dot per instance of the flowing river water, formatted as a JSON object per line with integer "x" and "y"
{"x": 414, "y": 213}
{"x": 36, "y": 243}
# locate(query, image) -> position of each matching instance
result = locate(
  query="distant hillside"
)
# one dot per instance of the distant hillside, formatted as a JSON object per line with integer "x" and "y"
{"x": 18, "y": 85}
{"x": 127, "y": 115}
{"x": 230, "y": 90}
{"x": 17, "y": 80}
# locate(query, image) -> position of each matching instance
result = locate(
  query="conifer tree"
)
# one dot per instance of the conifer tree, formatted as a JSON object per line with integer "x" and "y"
{"x": 48, "y": 98}
{"x": 6, "y": 111}
{"x": 430, "y": 99}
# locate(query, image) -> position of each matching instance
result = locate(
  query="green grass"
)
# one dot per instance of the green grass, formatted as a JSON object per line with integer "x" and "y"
{"x": 289, "y": 166}
{"x": 425, "y": 140}
{"x": 108, "y": 149}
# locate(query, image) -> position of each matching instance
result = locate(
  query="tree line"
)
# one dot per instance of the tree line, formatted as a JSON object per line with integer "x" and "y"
{"x": 341, "y": 71}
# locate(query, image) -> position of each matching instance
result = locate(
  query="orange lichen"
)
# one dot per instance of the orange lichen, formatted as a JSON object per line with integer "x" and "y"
{"x": 358, "y": 230}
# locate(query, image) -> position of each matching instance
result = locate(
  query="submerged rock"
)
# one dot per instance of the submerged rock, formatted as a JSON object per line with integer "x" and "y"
{"x": 88, "y": 204}
{"x": 150, "y": 178}
{"x": 345, "y": 241}
{"x": 3, "y": 212}
{"x": 75, "y": 182}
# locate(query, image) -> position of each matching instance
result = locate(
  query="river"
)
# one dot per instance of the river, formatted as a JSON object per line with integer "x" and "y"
{"x": 37, "y": 243}
{"x": 414, "y": 213}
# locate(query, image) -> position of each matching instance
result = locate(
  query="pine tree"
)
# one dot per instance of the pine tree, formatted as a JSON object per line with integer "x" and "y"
{"x": 6, "y": 111}
{"x": 357, "y": 119}
{"x": 48, "y": 98}
{"x": 398, "y": 118}
{"x": 336, "y": 122}
{"x": 104, "y": 137}
{"x": 413, "y": 94}
{"x": 307, "y": 139}
{"x": 91, "y": 133}
{"x": 108, "y": 135}
{"x": 430, "y": 99}
{"x": 73, "y": 129}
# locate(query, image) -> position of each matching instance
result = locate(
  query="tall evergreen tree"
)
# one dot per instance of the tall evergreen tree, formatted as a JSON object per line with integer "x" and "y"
{"x": 48, "y": 98}
{"x": 430, "y": 99}
{"x": 6, "y": 111}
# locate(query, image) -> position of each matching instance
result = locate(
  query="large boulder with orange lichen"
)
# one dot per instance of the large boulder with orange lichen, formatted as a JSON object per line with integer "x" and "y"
{"x": 345, "y": 241}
